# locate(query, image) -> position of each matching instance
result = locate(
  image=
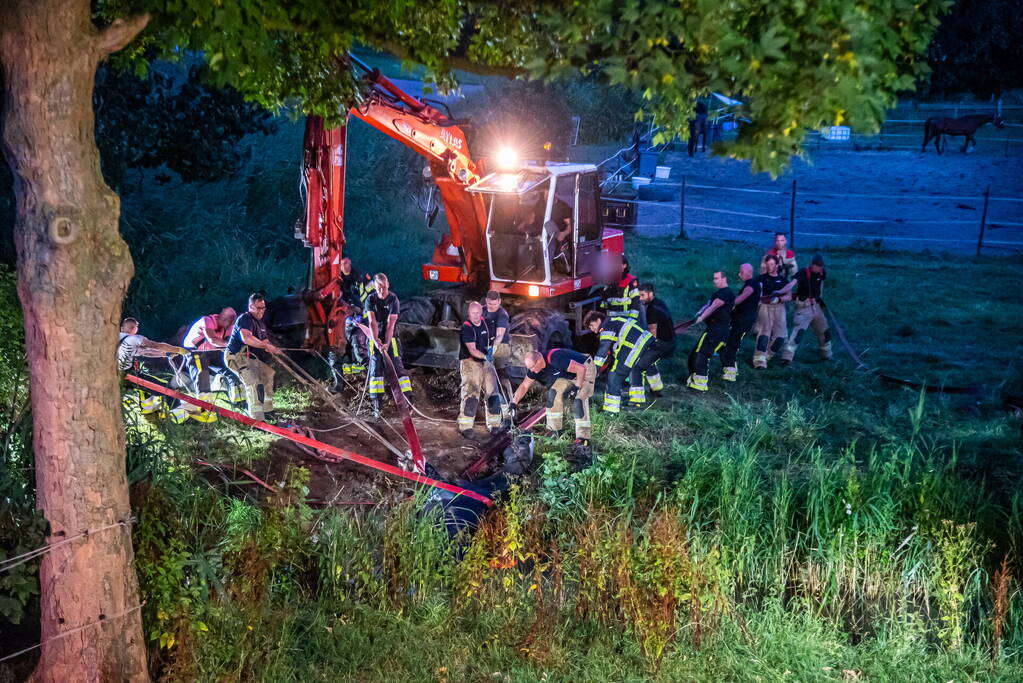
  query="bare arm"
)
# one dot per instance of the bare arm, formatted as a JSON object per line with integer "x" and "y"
{"x": 252, "y": 340}
{"x": 392, "y": 320}
{"x": 525, "y": 386}
{"x": 707, "y": 310}
{"x": 580, "y": 373}
{"x": 374, "y": 327}
{"x": 499, "y": 337}
{"x": 743, "y": 295}
{"x": 159, "y": 348}
{"x": 474, "y": 352}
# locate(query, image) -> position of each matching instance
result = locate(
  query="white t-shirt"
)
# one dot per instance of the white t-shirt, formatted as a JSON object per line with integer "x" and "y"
{"x": 127, "y": 348}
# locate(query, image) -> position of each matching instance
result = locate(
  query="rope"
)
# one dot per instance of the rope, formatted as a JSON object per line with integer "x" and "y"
{"x": 338, "y": 453}
{"x": 65, "y": 634}
{"x": 12, "y": 562}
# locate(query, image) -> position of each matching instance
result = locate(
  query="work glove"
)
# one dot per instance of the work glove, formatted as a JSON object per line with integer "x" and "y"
{"x": 513, "y": 409}
{"x": 571, "y": 393}
{"x": 490, "y": 354}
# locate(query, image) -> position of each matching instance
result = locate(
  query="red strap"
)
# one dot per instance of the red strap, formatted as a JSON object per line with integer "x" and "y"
{"x": 306, "y": 441}
{"x": 549, "y": 354}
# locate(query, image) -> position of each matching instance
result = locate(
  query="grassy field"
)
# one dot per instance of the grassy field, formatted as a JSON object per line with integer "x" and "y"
{"x": 805, "y": 523}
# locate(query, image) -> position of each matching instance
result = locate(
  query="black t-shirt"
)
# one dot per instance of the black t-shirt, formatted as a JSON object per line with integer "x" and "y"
{"x": 769, "y": 284}
{"x": 560, "y": 213}
{"x": 382, "y": 308}
{"x": 657, "y": 314}
{"x": 498, "y": 318}
{"x": 722, "y": 315}
{"x": 748, "y": 307}
{"x": 246, "y": 321}
{"x": 557, "y": 366}
{"x": 809, "y": 284}
{"x": 473, "y": 334}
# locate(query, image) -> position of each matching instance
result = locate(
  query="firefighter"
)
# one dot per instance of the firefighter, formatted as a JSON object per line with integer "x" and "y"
{"x": 382, "y": 308}
{"x": 772, "y": 327}
{"x": 356, "y": 286}
{"x": 248, "y": 354}
{"x": 622, "y": 298}
{"x": 476, "y": 368}
{"x": 660, "y": 324}
{"x": 569, "y": 376}
{"x": 623, "y": 343}
{"x": 130, "y": 346}
{"x": 744, "y": 314}
{"x": 206, "y": 339}
{"x": 786, "y": 257}
{"x": 717, "y": 313}
{"x": 809, "y": 284}
{"x": 498, "y": 322}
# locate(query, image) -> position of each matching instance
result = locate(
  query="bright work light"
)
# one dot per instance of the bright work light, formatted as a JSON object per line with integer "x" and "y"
{"x": 507, "y": 159}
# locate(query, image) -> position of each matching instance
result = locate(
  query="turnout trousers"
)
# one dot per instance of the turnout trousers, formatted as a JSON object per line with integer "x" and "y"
{"x": 580, "y": 407}
{"x": 376, "y": 369}
{"x": 258, "y": 379}
{"x": 635, "y": 373}
{"x": 711, "y": 342}
{"x": 736, "y": 333}
{"x": 809, "y": 314}
{"x": 659, "y": 350}
{"x": 202, "y": 365}
{"x": 479, "y": 378}
{"x": 772, "y": 329}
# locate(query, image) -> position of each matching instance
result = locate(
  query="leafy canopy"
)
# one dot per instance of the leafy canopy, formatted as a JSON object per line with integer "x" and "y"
{"x": 797, "y": 64}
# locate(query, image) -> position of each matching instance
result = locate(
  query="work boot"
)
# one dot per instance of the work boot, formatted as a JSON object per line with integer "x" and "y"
{"x": 376, "y": 409}
{"x": 730, "y": 373}
{"x": 581, "y": 456}
{"x": 468, "y": 434}
{"x": 786, "y": 362}
{"x": 697, "y": 382}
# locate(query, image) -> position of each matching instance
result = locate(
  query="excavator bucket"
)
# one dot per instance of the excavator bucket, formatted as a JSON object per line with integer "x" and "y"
{"x": 436, "y": 346}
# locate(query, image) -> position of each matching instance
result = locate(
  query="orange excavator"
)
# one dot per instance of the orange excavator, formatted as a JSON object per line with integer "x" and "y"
{"x": 530, "y": 230}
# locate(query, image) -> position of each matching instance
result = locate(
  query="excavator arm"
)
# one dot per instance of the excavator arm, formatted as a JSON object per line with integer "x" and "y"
{"x": 461, "y": 254}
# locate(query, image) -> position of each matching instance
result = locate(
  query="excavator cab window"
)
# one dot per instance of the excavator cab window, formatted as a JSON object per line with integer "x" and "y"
{"x": 516, "y": 234}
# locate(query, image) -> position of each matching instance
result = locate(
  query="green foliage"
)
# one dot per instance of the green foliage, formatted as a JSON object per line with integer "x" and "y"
{"x": 797, "y": 65}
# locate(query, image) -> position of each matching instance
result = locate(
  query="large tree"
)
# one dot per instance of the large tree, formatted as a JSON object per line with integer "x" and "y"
{"x": 798, "y": 64}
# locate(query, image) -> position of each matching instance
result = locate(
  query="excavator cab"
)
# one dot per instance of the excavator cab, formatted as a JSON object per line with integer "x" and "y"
{"x": 543, "y": 226}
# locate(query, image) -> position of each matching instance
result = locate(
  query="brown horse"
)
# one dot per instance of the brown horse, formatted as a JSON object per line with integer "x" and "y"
{"x": 964, "y": 125}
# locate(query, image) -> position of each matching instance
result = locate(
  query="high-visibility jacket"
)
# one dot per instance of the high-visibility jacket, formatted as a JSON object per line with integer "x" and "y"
{"x": 622, "y": 299}
{"x": 623, "y": 339}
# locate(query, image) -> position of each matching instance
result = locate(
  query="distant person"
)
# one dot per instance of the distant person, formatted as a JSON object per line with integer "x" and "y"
{"x": 772, "y": 325}
{"x": 206, "y": 339}
{"x": 786, "y": 257}
{"x": 717, "y": 313}
{"x": 809, "y": 312}
{"x": 498, "y": 322}
{"x": 248, "y": 354}
{"x": 588, "y": 341}
{"x": 744, "y": 314}
{"x": 569, "y": 376}
{"x": 477, "y": 374}
{"x": 621, "y": 298}
{"x": 382, "y": 309}
{"x": 660, "y": 324}
{"x": 356, "y": 286}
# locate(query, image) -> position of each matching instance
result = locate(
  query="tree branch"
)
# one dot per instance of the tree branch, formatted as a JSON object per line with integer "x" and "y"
{"x": 459, "y": 62}
{"x": 119, "y": 33}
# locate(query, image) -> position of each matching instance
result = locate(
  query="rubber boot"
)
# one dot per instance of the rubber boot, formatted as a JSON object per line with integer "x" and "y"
{"x": 376, "y": 409}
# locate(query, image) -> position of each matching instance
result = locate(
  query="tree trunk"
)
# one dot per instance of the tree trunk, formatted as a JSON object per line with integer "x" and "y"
{"x": 73, "y": 272}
